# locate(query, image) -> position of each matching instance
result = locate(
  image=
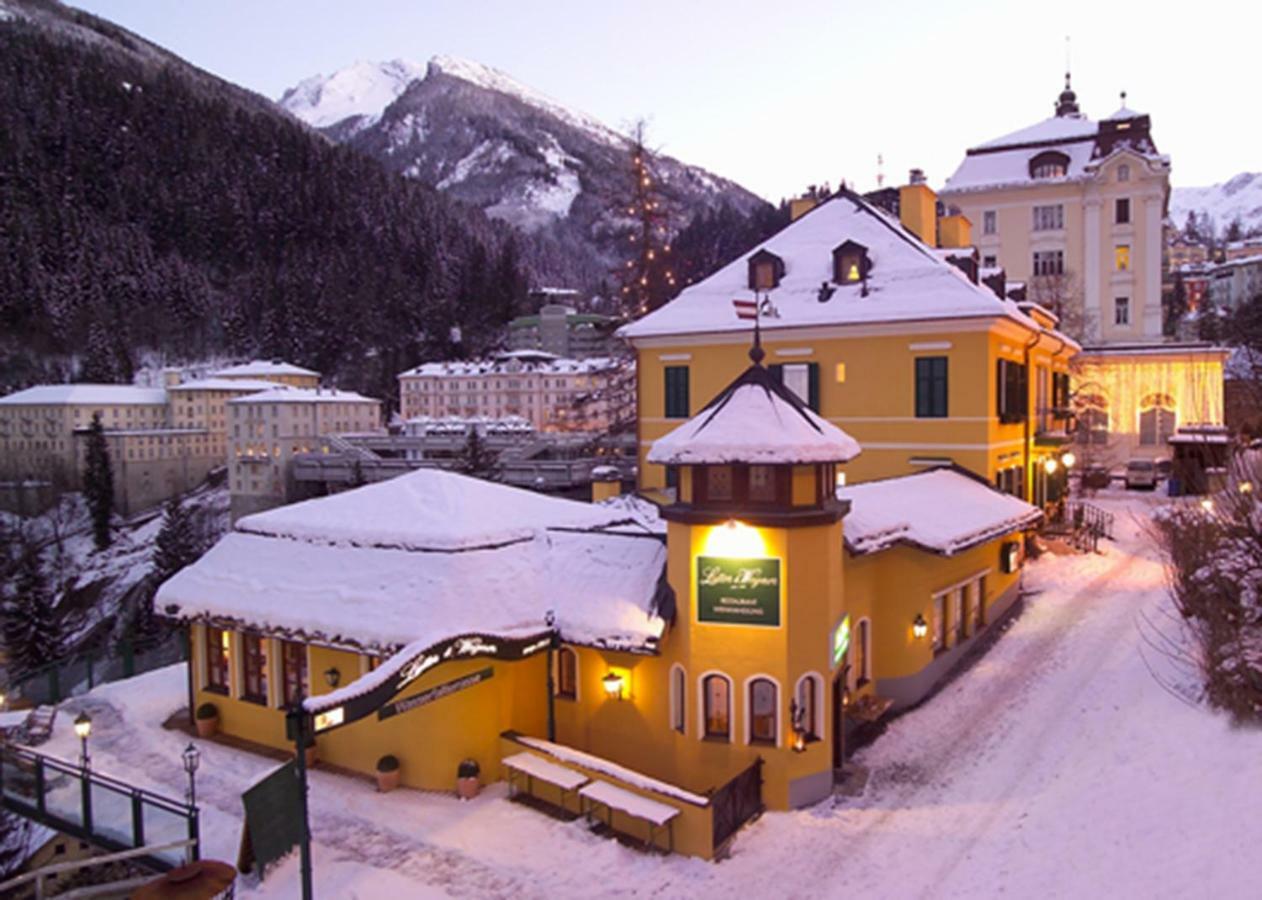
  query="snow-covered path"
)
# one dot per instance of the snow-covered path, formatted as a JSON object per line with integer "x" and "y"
{"x": 1056, "y": 766}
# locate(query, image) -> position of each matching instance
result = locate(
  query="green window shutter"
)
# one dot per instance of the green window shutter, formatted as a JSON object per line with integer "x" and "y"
{"x": 931, "y": 387}
{"x": 922, "y": 390}
{"x": 941, "y": 392}
{"x": 676, "y": 392}
{"x": 812, "y": 399}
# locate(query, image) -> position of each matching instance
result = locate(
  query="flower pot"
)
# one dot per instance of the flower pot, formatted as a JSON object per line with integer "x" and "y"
{"x": 468, "y": 788}
{"x": 387, "y": 781}
{"x": 207, "y": 727}
{"x": 311, "y": 756}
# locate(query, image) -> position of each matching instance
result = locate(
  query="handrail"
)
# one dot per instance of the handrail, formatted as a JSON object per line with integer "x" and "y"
{"x": 71, "y": 768}
{"x": 57, "y": 868}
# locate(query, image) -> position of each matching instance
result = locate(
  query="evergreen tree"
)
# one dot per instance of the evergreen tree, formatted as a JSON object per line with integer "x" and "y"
{"x": 646, "y": 278}
{"x": 100, "y": 362}
{"x": 477, "y": 459}
{"x": 31, "y": 632}
{"x": 98, "y": 483}
{"x": 178, "y": 543}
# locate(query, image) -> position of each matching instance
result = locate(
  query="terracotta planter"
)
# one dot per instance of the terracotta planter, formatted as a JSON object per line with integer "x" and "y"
{"x": 207, "y": 727}
{"x": 468, "y": 788}
{"x": 387, "y": 781}
{"x": 311, "y": 756}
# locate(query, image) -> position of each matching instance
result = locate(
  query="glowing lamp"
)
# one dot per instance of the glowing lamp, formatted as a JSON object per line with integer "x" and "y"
{"x": 799, "y": 742}
{"x": 1245, "y": 487}
{"x": 919, "y": 627}
{"x": 2, "y": 699}
{"x": 613, "y": 686}
{"x": 83, "y": 726}
{"x": 1207, "y": 504}
{"x": 1069, "y": 459}
{"x": 1050, "y": 466}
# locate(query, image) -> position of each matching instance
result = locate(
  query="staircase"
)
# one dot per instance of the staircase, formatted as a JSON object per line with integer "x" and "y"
{"x": 1083, "y": 525}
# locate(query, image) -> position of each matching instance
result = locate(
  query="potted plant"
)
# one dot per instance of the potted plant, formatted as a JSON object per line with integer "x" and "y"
{"x": 467, "y": 783}
{"x": 207, "y": 720}
{"x": 387, "y": 773}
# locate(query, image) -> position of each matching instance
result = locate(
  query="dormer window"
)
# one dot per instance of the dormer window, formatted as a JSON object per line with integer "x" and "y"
{"x": 850, "y": 263}
{"x": 1049, "y": 164}
{"x": 765, "y": 271}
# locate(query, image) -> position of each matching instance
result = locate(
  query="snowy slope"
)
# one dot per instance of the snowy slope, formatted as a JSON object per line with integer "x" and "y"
{"x": 361, "y": 91}
{"x": 1241, "y": 198}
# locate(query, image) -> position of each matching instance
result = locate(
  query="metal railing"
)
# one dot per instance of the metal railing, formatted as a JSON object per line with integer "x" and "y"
{"x": 93, "y": 807}
{"x": 1089, "y": 524}
{"x": 78, "y": 674}
{"x": 37, "y": 877}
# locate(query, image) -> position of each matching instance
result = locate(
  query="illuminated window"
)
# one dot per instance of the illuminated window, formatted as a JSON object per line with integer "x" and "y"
{"x": 763, "y": 701}
{"x": 716, "y": 694}
{"x": 851, "y": 263}
{"x": 293, "y": 661}
{"x": 1156, "y": 419}
{"x": 567, "y": 674}
{"x": 218, "y": 642}
{"x": 1049, "y": 164}
{"x": 254, "y": 655}
{"x": 1122, "y": 257}
{"x": 806, "y": 709}
{"x": 841, "y": 373}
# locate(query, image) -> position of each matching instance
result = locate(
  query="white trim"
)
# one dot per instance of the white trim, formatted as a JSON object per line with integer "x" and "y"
{"x": 936, "y": 420}
{"x": 930, "y": 345}
{"x": 731, "y": 705}
{"x": 820, "y": 707}
{"x": 274, "y": 667}
{"x": 678, "y": 698}
{"x": 978, "y": 574}
{"x": 873, "y": 445}
{"x": 795, "y": 351}
{"x": 890, "y": 328}
{"x": 674, "y": 357}
{"x": 749, "y": 712}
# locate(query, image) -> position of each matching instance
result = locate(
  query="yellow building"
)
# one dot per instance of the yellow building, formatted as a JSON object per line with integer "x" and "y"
{"x": 275, "y": 371}
{"x": 672, "y": 674}
{"x": 881, "y": 336}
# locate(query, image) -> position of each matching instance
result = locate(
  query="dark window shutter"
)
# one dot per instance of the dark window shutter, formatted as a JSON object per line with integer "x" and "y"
{"x": 1001, "y": 372}
{"x": 777, "y": 372}
{"x": 812, "y": 399}
{"x": 676, "y": 392}
{"x": 941, "y": 394}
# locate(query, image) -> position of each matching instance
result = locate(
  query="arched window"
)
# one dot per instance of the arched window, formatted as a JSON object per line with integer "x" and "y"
{"x": 716, "y": 707}
{"x": 1156, "y": 419}
{"x": 678, "y": 703}
{"x": 863, "y": 651}
{"x": 763, "y": 711}
{"x": 1093, "y": 419}
{"x": 567, "y": 674}
{"x": 808, "y": 710}
{"x": 1123, "y": 172}
{"x": 1049, "y": 164}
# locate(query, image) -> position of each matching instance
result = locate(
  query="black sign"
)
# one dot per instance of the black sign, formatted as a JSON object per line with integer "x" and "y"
{"x": 434, "y": 693}
{"x": 469, "y": 646}
{"x": 273, "y": 815}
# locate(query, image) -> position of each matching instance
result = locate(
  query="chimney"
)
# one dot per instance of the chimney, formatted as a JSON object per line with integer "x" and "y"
{"x": 800, "y": 206}
{"x": 918, "y": 208}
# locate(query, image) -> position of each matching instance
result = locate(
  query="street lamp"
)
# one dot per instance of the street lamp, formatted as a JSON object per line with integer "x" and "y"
{"x": 83, "y": 728}
{"x": 1068, "y": 459}
{"x": 1050, "y": 465}
{"x": 192, "y": 759}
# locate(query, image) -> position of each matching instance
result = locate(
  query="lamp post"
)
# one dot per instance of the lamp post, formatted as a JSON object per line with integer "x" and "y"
{"x": 192, "y": 759}
{"x": 83, "y": 728}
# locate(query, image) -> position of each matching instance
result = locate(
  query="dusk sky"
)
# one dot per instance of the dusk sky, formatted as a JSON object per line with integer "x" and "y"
{"x": 780, "y": 95}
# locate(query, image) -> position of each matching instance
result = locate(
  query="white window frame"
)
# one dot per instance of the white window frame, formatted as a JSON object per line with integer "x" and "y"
{"x": 678, "y": 699}
{"x": 556, "y": 675}
{"x": 701, "y": 706}
{"x": 749, "y": 708}
{"x": 1049, "y": 217}
{"x": 819, "y": 710}
{"x": 990, "y": 221}
{"x": 1121, "y": 310}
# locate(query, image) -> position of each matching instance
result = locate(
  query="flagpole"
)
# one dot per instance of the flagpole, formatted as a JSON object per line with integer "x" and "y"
{"x": 756, "y": 352}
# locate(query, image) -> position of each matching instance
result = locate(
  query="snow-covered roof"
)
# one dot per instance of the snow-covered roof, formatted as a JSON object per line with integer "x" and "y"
{"x": 226, "y": 384}
{"x": 513, "y": 363}
{"x": 1123, "y": 112}
{"x": 906, "y": 281}
{"x": 279, "y": 393}
{"x": 86, "y": 395}
{"x": 1054, "y": 129}
{"x": 426, "y": 557}
{"x": 261, "y": 368}
{"x": 754, "y": 420}
{"x": 941, "y": 510}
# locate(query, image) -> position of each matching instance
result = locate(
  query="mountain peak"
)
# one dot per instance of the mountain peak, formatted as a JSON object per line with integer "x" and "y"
{"x": 361, "y": 90}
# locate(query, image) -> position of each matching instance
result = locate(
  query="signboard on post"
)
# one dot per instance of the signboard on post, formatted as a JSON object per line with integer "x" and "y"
{"x": 738, "y": 591}
{"x": 273, "y": 818}
{"x": 841, "y": 640}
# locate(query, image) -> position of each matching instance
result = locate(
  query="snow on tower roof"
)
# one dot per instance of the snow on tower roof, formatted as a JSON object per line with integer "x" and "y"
{"x": 943, "y": 510}
{"x": 430, "y": 556}
{"x": 86, "y": 395}
{"x": 754, "y": 420}
{"x": 906, "y": 280}
{"x": 258, "y": 368}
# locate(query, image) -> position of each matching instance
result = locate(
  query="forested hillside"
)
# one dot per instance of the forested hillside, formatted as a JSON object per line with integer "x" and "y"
{"x": 145, "y": 206}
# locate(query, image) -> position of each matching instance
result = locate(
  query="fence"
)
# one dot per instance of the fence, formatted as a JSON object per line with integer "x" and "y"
{"x": 74, "y": 675}
{"x": 736, "y": 803}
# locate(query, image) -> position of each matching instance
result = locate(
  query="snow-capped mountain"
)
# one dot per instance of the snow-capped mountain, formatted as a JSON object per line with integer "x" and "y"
{"x": 483, "y": 137}
{"x": 1240, "y": 198}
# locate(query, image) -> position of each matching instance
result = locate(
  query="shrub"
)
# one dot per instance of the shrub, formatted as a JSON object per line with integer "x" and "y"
{"x": 207, "y": 711}
{"x": 469, "y": 768}
{"x": 388, "y": 763}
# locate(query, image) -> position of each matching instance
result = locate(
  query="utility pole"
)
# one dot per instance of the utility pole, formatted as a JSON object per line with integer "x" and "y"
{"x": 301, "y": 722}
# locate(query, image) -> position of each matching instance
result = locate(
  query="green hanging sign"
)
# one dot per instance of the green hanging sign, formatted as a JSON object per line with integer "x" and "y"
{"x": 841, "y": 640}
{"x": 738, "y": 591}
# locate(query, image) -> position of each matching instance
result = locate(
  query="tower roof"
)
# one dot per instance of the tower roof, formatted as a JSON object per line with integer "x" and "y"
{"x": 757, "y": 420}
{"x": 1067, "y": 102}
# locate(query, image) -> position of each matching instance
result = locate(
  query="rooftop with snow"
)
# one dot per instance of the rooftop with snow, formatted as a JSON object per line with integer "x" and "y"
{"x": 906, "y": 281}
{"x": 260, "y": 368}
{"x": 85, "y": 395}
{"x": 279, "y": 393}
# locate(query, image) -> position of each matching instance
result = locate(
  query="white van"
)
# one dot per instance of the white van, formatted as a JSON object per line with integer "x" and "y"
{"x": 1141, "y": 473}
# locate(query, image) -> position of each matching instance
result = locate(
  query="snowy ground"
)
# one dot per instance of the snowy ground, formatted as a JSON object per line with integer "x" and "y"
{"x": 1055, "y": 767}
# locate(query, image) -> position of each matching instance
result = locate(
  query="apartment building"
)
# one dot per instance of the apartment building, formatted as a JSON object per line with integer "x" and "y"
{"x": 275, "y": 371}
{"x": 540, "y": 387}
{"x": 270, "y": 427}
{"x": 563, "y": 331}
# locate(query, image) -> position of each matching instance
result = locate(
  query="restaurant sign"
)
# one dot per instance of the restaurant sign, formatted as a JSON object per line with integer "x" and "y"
{"x": 738, "y": 591}
{"x": 435, "y": 693}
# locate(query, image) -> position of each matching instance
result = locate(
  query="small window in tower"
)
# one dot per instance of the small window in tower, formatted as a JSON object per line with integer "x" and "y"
{"x": 1122, "y": 257}
{"x": 718, "y": 482}
{"x": 762, "y": 484}
{"x": 765, "y": 271}
{"x": 850, "y": 263}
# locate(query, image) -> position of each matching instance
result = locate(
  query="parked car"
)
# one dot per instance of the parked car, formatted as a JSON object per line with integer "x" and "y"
{"x": 1164, "y": 468}
{"x": 1141, "y": 473}
{"x": 1096, "y": 477}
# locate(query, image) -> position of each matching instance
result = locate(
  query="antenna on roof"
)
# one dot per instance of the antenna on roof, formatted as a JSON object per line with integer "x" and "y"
{"x": 1067, "y": 60}
{"x": 880, "y": 171}
{"x": 1123, "y": 99}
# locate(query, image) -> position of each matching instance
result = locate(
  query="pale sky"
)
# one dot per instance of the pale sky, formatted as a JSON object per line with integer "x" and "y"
{"x": 780, "y": 95}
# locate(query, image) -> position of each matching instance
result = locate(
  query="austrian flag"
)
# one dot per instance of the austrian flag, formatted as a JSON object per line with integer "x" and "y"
{"x": 746, "y": 309}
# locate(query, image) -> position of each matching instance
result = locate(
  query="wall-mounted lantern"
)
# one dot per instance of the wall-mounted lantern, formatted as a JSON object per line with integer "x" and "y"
{"x": 613, "y": 685}
{"x": 332, "y": 676}
{"x": 919, "y": 627}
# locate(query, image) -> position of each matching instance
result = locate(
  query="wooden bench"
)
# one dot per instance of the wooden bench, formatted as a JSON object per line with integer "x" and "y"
{"x": 532, "y": 767}
{"x": 613, "y": 797}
